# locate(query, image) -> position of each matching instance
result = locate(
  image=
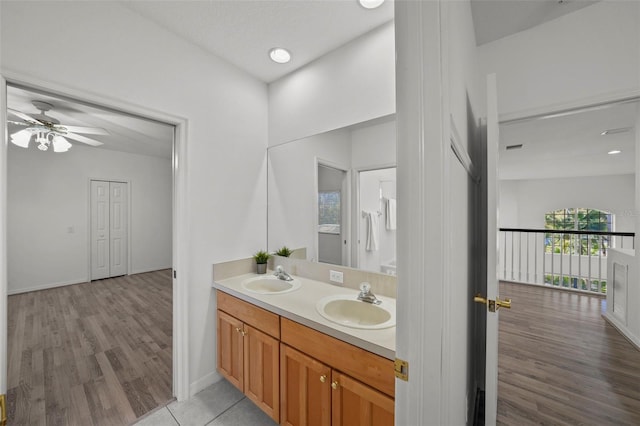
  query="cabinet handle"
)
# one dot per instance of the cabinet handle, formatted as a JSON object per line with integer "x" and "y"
{"x": 334, "y": 385}
{"x": 238, "y": 330}
{"x": 323, "y": 378}
{"x": 244, "y": 333}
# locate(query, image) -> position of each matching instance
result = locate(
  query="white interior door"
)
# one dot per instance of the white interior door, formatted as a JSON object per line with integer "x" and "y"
{"x": 118, "y": 229}
{"x": 491, "y": 377}
{"x": 109, "y": 229}
{"x": 99, "y": 230}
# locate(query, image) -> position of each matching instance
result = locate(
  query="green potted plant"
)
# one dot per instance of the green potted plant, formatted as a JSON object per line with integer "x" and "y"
{"x": 261, "y": 258}
{"x": 284, "y": 251}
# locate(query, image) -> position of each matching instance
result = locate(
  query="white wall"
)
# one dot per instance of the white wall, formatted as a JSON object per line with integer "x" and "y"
{"x": 374, "y": 145}
{"x": 523, "y": 203}
{"x": 590, "y": 52}
{"x": 48, "y": 194}
{"x": 349, "y": 85}
{"x": 292, "y": 187}
{"x": 104, "y": 49}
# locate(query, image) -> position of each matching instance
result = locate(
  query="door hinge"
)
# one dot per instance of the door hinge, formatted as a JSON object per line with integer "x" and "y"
{"x": 3, "y": 410}
{"x": 175, "y": 274}
{"x": 401, "y": 368}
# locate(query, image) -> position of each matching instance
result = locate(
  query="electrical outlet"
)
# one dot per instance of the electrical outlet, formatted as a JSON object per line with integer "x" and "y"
{"x": 336, "y": 277}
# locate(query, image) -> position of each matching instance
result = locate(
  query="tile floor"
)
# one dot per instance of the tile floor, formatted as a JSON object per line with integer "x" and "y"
{"x": 220, "y": 404}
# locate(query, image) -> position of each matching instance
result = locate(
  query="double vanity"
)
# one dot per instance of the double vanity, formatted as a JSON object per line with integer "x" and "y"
{"x": 305, "y": 351}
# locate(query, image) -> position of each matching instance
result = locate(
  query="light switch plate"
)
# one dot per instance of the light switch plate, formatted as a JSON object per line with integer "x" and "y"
{"x": 336, "y": 277}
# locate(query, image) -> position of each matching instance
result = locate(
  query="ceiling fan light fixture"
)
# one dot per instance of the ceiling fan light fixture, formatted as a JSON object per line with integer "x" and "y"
{"x": 21, "y": 138}
{"x": 370, "y": 4}
{"x": 60, "y": 144}
{"x": 280, "y": 55}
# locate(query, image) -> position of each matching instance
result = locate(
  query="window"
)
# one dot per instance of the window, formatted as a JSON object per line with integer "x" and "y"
{"x": 329, "y": 212}
{"x": 577, "y": 244}
{"x": 578, "y": 219}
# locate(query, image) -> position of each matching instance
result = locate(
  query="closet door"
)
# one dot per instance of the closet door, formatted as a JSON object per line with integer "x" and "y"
{"x": 109, "y": 229}
{"x": 100, "y": 252}
{"x": 118, "y": 228}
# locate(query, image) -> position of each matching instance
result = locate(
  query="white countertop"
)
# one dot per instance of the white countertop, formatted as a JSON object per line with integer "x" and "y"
{"x": 300, "y": 306}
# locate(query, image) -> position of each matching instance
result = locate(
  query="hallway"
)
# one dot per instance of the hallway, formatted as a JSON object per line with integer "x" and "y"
{"x": 560, "y": 362}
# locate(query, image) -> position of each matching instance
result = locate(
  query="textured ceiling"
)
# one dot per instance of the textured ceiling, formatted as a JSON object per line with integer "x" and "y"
{"x": 243, "y": 32}
{"x": 494, "y": 19}
{"x": 570, "y": 145}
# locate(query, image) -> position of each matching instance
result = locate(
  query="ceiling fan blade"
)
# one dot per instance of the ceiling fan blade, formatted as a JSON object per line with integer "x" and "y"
{"x": 83, "y": 139}
{"x": 80, "y": 129}
{"x": 18, "y": 123}
{"x": 25, "y": 117}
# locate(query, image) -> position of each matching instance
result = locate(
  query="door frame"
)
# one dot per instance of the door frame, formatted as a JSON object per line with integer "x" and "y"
{"x": 89, "y": 241}
{"x": 180, "y": 249}
{"x": 423, "y": 156}
{"x": 355, "y": 219}
{"x": 345, "y": 228}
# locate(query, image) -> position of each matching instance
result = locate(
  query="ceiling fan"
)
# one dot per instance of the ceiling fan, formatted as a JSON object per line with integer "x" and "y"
{"x": 48, "y": 130}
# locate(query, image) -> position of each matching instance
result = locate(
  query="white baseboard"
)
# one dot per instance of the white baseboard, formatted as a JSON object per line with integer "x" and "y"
{"x": 635, "y": 341}
{"x": 11, "y": 291}
{"x": 204, "y": 382}
{"x": 144, "y": 271}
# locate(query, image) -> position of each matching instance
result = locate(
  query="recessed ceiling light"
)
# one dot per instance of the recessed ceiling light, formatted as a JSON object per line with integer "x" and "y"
{"x": 613, "y": 152}
{"x": 280, "y": 55}
{"x": 615, "y": 131}
{"x": 370, "y": 4}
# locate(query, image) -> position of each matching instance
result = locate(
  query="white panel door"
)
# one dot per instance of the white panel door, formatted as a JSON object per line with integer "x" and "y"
{"x": 100, "y": 253}
{"x": 109, "y": 229}
{"x": 491, "y": 378}
{"x": 118, "y": 229}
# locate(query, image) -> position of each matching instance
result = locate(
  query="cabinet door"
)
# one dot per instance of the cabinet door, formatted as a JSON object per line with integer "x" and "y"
{"x": 355, "y": 404}
{"x": 262, "y": 371}
{"x": 305, "y": 390}
{"x": 230, "y": 349}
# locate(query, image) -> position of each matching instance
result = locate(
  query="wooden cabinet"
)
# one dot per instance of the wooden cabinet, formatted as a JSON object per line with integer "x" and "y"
{"x": 231, "y": 349}
{"x": 355, "y": 404}
{"x": 300, "y": 376}
{"x": 313, "y": 394}
{"x": 249, "y": 357}
{"x": 305, "y": 390}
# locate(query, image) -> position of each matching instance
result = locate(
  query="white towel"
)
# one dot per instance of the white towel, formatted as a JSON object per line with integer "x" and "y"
{"x": 390, "y": 213}
{"x": 371, "y": 219}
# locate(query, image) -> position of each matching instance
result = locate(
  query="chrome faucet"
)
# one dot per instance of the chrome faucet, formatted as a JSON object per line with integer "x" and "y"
{"x": 366, "y": 295}
{"x": 281, "y": 274}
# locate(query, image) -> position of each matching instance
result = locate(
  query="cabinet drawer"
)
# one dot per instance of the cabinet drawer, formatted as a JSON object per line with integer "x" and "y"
{"x": 261, "y": 319}
{"x": 365, "y": 366}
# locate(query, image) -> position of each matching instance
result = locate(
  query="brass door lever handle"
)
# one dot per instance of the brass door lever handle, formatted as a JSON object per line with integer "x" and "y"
{"x": 493, "y": 305}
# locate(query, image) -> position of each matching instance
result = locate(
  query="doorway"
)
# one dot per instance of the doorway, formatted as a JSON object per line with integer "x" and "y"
{"x": 174, "y": 190}
{"x": 376, "y": 192}
{"x": 593, "y": 166}
{"x": 332, "y": 215}
{"x": 109, "y": 229}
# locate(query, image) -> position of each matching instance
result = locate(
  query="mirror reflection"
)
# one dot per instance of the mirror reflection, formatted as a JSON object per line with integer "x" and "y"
{"x": 334, "y": 194}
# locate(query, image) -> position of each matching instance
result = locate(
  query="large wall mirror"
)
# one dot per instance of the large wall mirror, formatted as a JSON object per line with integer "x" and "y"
{"x": 334, "y": 194}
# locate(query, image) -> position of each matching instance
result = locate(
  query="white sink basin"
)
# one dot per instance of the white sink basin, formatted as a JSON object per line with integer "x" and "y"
{"x": 269, "y": 284}
{"x": 348, "y": 311}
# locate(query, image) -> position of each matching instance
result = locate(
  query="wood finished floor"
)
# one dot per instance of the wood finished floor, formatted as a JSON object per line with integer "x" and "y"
{"x": 90, "y": 354}
{"x": 561, "y": 363}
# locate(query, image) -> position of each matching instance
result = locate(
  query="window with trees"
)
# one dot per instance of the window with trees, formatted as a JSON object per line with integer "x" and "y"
{"x": 588, "y": 241}
{"x": 329, "y": 212}
{"x": 578, "y": 219}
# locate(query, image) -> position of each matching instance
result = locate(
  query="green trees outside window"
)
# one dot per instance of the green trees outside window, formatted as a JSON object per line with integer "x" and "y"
{"x": 577, "y": 219}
